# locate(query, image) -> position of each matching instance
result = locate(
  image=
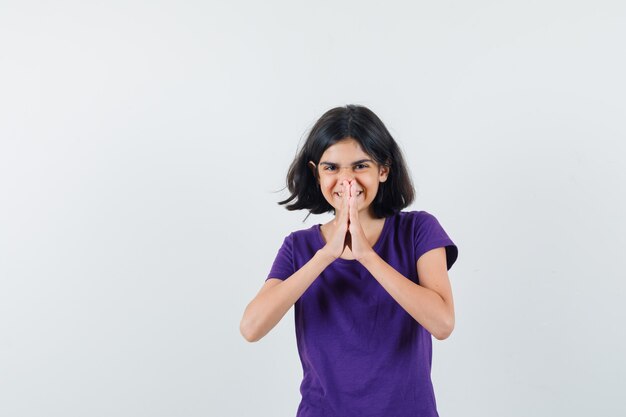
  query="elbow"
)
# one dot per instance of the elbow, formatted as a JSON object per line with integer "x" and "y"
{"x": 442, "y": 335}
{"x": 445, "y": 330}
{"x": 248, "y": 332}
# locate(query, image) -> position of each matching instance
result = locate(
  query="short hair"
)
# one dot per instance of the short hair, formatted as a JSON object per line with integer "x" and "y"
{"x": 361, "y": 124}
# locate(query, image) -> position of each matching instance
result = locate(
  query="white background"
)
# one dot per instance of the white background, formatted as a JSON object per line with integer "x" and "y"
{"x": 144, "y": 145}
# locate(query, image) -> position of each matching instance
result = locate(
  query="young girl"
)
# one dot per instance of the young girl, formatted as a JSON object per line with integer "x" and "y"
{"x": 370, "y": 287}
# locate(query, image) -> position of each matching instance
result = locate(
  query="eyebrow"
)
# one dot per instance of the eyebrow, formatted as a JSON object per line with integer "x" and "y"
{"x": 354, "y": 163}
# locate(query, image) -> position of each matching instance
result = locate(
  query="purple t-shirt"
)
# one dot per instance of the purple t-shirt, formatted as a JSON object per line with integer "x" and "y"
{"x": 362, "y": 354}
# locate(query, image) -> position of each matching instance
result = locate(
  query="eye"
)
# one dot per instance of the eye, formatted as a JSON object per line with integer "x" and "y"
{"x": 328, "y": 167}
{"x": 361, "y": 165}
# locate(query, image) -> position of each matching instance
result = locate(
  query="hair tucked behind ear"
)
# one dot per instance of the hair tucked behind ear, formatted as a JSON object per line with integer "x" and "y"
{"x": 361, "y": 124}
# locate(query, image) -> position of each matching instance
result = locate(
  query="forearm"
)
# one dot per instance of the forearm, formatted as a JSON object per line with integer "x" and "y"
{"x": 423, "y": 304}
{"x": 269, "y": 306}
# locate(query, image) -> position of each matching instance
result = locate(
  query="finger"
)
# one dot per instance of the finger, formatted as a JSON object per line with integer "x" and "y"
{"x": 352, "y": 192}
{"x": 352, "y": 206}
{"x": 344, "y": 200}
{"x": 354, "y": 210}
{"x": 346, "y": 195}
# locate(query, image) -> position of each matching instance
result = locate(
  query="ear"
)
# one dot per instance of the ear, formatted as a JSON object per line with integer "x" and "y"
{"x": 313, "y": 167}
{"x": 383, "y": 171}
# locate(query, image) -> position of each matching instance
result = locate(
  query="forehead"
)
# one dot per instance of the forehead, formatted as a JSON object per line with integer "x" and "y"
{"x": 344, "y": 151}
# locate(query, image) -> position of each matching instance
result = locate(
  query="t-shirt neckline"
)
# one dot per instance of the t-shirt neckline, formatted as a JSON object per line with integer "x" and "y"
{"x": 376, "y": 247}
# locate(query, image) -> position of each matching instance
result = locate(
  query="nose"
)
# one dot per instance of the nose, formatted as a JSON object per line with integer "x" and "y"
{"x": 346, "y": 174}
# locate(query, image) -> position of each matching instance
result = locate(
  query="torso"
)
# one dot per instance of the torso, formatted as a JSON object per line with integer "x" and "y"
{"x": 371, "y": 234}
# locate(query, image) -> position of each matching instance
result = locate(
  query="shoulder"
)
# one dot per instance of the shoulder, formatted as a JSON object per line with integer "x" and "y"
{"x": 428, "y": 234}
{"x": 305, "y": 233}
{"x": 415, "y": 219}
{"x": 303, "y": 236}
{"x": 420, "y": 215}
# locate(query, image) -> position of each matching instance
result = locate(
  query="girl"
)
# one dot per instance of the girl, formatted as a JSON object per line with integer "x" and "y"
{"x": 370, "y": 287}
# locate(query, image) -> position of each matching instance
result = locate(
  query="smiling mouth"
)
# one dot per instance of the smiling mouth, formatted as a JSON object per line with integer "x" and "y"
{"x": 340, "y": 194}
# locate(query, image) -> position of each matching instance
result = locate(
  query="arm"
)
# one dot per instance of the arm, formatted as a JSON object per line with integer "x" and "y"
{"x": 430, "y": 303}
{"x": 276, "y": 298}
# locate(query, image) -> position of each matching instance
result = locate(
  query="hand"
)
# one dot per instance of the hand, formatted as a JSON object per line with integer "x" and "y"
{"x": 340, "y": 238}
{"x": 360, "y": 246}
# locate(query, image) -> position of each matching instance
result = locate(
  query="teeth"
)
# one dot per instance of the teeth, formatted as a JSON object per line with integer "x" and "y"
{"x": 340, "y": 194}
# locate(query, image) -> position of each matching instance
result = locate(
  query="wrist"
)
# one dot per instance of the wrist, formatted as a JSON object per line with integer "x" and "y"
{"x": 326, "y": 256}
{"x": 368, "y": 258}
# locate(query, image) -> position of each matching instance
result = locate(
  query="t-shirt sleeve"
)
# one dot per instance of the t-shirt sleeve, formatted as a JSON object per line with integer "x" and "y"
{"x": 430, "y": 235}
{"x": 283, "y": 266}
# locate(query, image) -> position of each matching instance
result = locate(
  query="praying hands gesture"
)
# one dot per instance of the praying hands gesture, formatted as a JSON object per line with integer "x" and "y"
{"x": 347, "y": 231}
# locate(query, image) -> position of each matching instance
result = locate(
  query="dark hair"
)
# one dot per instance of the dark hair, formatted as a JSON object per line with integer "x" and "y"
{"x": 361, "y": 124}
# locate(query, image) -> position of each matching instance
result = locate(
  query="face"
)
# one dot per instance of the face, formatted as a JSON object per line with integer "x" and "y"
{"x": 345, "y": 160}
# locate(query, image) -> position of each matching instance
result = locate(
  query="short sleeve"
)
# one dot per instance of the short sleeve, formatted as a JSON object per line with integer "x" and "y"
{"x": 283, "y": 266}
{"x": 428, "y": 235}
